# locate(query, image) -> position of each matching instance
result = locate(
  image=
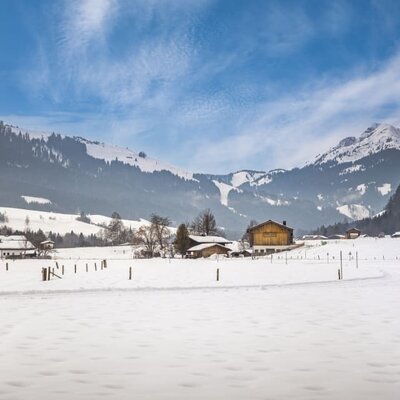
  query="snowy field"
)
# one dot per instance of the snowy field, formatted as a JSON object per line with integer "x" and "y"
{"x": 267, "y": 330}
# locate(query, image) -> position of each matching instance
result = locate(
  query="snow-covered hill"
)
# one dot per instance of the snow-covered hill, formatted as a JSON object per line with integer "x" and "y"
{"x": 20, "y": 219}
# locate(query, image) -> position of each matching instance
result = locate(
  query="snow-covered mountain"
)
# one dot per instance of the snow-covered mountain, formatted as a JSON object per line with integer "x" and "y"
{"x": 376, "y": 138}
{"x": 352, "y": 180}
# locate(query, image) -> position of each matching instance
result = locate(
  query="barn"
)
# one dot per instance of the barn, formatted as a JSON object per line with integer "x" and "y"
{"x": 207, "y": 250}
{"x": 353, "y": 233}
{"x": 16, "y": 246}
{"x": 270, "y": 236}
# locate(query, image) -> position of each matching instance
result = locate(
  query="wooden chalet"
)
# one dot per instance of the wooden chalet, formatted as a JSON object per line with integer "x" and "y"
{"x": 206, "y": 250}
{"x": 270, "y": 236}
{"x": 353, "y": 233}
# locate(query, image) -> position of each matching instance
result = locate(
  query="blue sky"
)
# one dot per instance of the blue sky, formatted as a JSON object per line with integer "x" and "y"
{"x": 213, "y": 86}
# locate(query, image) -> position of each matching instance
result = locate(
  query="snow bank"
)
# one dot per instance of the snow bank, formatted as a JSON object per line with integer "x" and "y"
{"x": 37, "y": 200}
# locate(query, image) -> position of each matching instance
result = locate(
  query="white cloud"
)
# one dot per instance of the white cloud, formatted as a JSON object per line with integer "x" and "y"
{"x": 293, "y": 129}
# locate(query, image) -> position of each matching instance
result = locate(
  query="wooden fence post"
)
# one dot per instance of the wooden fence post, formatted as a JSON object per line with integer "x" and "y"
{"x": 62, "y": 269}
{"x": 87, "y": 267}
{"x": 217, "y": 274}
{"x": 57, "y": 264}
{"x": 75, "y": 268}
{"x": 6, "y": 266}
{"x": 338, "y": 272}
{"x": 95, "y": 266}
{"x": 130, "y": 273}
{"x": 341, "y": 265}
{"x": 48, "y": 273}
{"x": 44, "y": 274}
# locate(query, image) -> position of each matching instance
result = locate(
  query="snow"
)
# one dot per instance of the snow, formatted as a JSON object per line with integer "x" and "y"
{"x": 203, "y": 246}
{"x": 385, "y": 189}
{"x": 209, "y": 239}
{"x": 111, "y": 153}
{"x": 108, "y": 152}
{"x": 37, "y": 200}
{"x": 362, "y": 188}
{"x": 377, "y": 138}
{"x": 273, "y": 202}
{"x": 224, "y": 190}
{"x": 241, "y": 177}
{"x": 353, "y": 168}
{"x": 58, "y": 222}
{"x": 354, "y": 211}
{"x": 264, "y": 330}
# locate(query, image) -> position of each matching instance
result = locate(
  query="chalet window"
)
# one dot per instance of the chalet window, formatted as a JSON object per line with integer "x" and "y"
{"x": 270, "y": 234}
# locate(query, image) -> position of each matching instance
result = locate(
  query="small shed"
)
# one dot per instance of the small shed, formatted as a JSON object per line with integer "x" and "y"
{"x": 47, "y": 245}
{"x": 353, "y": 233}
{"x": 396, "y": 235}
{"x": 207, "y": 250}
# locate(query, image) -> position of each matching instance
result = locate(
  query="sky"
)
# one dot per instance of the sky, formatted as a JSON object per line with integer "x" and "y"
{"x": 211, "y": 86}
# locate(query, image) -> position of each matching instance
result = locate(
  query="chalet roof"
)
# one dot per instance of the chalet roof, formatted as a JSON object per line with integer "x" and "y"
{"x": 203, "y": 246}
{"x": 209, "y": 239}
{"x": 269, "y": 222}
{"x": 396, "y": 234}
{"x": 47, "y": 242}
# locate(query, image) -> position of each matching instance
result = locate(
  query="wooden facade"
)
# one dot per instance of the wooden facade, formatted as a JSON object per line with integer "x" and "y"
{"x": 353, "y": 233}
{"x": 271, "y": 233}
{"x": 207, "y": 250}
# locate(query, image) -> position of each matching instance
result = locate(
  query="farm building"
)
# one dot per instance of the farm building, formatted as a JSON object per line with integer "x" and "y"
{"x": 47, "y": 245}
{"x": 396, "y": 235}
{"x": 207, "y": 250}
{"x": 201, "y": 239}
{"x": 270, "y": 236}
{"x": 353, "y": 233}
{"x": 16, "y": 246}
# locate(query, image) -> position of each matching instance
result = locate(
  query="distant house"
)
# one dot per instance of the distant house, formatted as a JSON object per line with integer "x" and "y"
{"x": 207, "y": 250}
{"x": 353, "y": 233}
{"x": 205, "y": 246}
{"x": 16, "y": 246}
{"x": 47, "y": 245}
{"x": 396, "y": 235}
{"x": 270, "y": 236}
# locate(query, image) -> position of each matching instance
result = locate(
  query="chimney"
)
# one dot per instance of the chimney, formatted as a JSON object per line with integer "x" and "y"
{"x": 284, "y": 223}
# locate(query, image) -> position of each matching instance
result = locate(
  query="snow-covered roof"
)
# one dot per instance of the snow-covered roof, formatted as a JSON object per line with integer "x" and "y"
{"x": 203, "y": 246}
{"x": 12, "y": 238}
{"x": 15, "y": 242}
{"x": 396, "y": 234}
{"x": 209, "y": 239}
{"x": 17, "y": 245}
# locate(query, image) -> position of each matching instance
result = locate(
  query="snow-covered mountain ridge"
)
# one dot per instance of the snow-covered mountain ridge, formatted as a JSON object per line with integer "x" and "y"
{"x": 350, "y": 181}
{"x": 375, "y": 139}
{"x": 110, "y": 152}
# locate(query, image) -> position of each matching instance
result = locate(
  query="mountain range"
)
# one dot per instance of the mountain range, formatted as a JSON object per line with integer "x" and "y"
{"x": 350, "y": 181}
